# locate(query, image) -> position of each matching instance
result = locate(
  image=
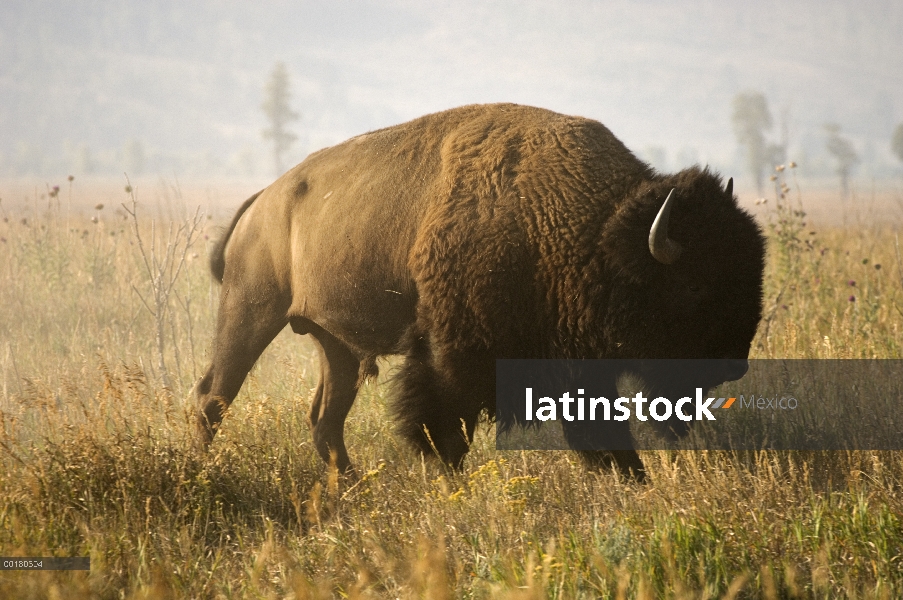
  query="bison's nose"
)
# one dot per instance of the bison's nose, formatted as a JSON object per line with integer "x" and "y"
{"x": 735, "y": 368}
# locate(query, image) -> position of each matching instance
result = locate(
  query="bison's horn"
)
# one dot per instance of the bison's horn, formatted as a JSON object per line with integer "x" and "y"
{"x": 663, "y": 249}
{"x": 729, "y": 188}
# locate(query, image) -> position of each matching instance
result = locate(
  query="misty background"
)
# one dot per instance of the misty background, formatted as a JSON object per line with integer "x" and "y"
{"x": 175, "y": 89}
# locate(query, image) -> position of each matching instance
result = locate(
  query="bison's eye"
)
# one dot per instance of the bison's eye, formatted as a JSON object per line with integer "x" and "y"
{"x": 694, "y": 288}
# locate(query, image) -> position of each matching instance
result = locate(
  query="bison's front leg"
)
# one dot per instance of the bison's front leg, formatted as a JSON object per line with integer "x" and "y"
{"x": 628, "y": 462}
{"x": 438, "y": 405}
{"x": 601, "y": 445}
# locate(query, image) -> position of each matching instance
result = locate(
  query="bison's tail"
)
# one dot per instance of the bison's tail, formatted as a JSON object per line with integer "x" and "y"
{"x": 218, "y": 256}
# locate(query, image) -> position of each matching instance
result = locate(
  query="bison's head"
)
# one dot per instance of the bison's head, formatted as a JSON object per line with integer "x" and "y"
{"x": 684, "y": 268}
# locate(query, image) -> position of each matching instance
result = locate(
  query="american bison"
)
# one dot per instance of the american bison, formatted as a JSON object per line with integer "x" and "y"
{"x": 481, "y": 232}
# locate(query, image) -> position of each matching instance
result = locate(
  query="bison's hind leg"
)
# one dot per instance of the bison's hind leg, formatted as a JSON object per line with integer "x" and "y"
{"x": 335, "y": 394}
{"x": 244, "y": 329}
{"x": 437, "y": 408}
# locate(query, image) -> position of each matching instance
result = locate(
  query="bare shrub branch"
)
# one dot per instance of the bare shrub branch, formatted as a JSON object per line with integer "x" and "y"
{"x": 164, "y": 260}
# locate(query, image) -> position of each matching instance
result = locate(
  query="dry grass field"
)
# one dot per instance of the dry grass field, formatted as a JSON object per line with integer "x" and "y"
{"x": 105, "y": 326}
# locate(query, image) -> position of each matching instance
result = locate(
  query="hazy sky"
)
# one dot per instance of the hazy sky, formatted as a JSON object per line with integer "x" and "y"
{"x": 81, "y": 81}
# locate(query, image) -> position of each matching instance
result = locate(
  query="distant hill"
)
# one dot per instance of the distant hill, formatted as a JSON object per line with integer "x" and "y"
{"x": 175, "y": 87}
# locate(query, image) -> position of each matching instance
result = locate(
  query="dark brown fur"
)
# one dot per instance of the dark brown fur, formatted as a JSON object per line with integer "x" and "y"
{"x": 483, "y": 232}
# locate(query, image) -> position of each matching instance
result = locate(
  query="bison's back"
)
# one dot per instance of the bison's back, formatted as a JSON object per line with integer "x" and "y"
{"x": 463, "y": 215}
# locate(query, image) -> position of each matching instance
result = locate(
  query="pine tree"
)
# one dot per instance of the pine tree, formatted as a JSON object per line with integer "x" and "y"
{"x": 896, "y": 142}
{"x": 751, "y": 118}
{"x": 844, "y": 152}
{"x": 278, "y": 111}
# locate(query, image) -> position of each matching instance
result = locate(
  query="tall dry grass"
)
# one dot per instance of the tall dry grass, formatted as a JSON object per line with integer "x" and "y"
{"x": 96, "y": 455}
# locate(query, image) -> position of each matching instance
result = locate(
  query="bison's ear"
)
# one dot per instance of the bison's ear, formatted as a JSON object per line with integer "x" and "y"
{"x": 729, "y": 188}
